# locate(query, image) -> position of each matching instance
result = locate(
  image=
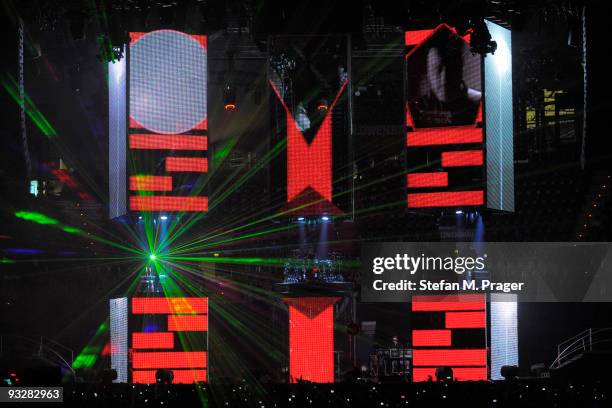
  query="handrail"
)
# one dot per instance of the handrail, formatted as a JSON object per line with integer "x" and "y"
{"x": 42, "y": 347}
{"x": 571, "y": 339}
{"x": 61, "y": 346}
{"x": 581, "y": 342}
{"x": 576, "y": 336}
{"x": 62, "y": 358}
{"x": 57, "y": 344}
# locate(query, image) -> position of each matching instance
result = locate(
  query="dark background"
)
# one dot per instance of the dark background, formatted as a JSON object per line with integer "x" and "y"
{"x": 63, "y": 293}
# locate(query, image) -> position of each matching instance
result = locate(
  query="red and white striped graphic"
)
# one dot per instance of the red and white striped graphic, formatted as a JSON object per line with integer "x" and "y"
{"x": 164, "y": 349}
{"x": 433, "y": 347}
{"x": 184, "y": 150}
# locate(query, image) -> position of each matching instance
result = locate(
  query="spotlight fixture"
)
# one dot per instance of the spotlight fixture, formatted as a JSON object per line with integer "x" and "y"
{"x": 300, "y": 218}
{"x": 163, "y": 217}
{"x": 444, "y": 374}
{"x": 325, "y": 218}
{"x": 509, "y": 372}
{"x": 164, "y": 376}
{"x": 229, "y": 97}
{"x": 152, "y": 257}
{"x": 322, "y": 105}
{"x": 459, "y": 212}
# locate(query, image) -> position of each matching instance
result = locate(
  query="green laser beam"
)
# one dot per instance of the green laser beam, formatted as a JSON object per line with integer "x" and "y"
{"x": 10, "y": 85}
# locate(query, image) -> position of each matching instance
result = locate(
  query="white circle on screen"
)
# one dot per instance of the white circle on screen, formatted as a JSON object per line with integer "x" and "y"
{"x": 168, "y": 81}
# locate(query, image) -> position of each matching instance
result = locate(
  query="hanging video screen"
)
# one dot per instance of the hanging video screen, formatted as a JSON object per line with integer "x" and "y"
{"x": 168, "y": 121}
{"x": 308, "y": 77}
{"x": 449, "y": 331}
{"x": 443, "y": 120}
{"x": 500, "y": 121}
{"x": 169, "y": 333}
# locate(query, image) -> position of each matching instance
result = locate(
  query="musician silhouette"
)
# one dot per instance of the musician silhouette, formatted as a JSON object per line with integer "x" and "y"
{"x": 445, "y": 99}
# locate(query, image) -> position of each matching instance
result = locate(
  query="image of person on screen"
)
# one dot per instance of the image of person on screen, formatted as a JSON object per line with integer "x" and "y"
{"x": 445, "y": 99}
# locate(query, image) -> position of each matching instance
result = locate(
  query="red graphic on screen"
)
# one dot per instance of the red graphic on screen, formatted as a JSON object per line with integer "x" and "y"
{"x": 417, "y": 36}
{"x": 439, "y": 179}
{"x": 169, "y": 305}
{"x": 176, "y": 165}
{"x": 152, "y": 340}
{"x": 151, "y": 183}
{"x": 433, "y": 347}
{"x": 168, "y": 359}
{"x": 445, "y": 136}
{"x": 151, "y": 141}
{"x": 311, "y": 339}
{"x": 187, "y": 164}
{"x": 466, "y": 320}
{"x": 168, "y": 203}
{"x": 438, "y": 303}
{"x": 456, "y": 357}
{"x": 187, "y": 323}
{"x": 422, "y": 338}
{"x": 442, "y": 110}
{"x": 462, "y": 158}
{"x": 163, "y": 349}
{"x": 443, "y": 199}
{"x": 309, "y": 166}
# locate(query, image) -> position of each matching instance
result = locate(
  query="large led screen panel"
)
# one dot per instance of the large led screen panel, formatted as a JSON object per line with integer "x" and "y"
{"x": 449, "y": 331}
{"x": 117, "y": 128}
{"x": 504, "y": 333}
{"x": 169, "y": 333}
{"x": 499, "y": 121}
{"x": 119, "y": 337}
{"x": 312, "y": 120}
{"x": 311, "y": 339}
{"x": 168, "y": 121}
{"x": 444, "y": 139}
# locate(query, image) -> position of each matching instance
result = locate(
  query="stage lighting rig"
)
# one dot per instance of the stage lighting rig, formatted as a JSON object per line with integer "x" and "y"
{"x": 284, "y": 65}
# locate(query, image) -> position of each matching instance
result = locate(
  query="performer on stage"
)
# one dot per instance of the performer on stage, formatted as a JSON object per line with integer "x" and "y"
{"x": 395, "y": 342}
